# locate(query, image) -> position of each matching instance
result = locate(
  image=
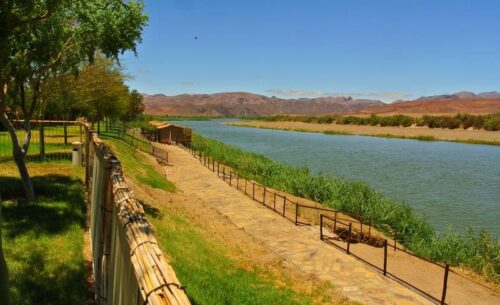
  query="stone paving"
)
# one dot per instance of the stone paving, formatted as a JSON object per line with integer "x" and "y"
{"x": 299, "y": 246}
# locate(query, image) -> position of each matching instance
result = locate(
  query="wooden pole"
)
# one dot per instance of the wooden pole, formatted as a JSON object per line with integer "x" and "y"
{"x": 321, "y": 226}
{"x": 42, "y": 140}
{"x": 296, "y": 213}
{"x": 284, "y": 205}
{"x": 65, "y": 127}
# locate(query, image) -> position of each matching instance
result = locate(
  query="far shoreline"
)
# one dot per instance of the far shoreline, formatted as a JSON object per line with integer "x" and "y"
{"x": 414, "y": 133}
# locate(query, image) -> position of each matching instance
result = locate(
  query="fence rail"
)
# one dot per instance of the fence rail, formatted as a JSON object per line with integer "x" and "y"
{"x": 351, "y": 235}
{"x": 129, "y": 268}
{"x": 50, "y": 140}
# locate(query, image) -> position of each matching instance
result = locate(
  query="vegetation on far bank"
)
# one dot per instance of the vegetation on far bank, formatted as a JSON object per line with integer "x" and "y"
{"x": 477, "y": 251}
{"x": 43, "y": 240}
{"x": 490, "y": 122}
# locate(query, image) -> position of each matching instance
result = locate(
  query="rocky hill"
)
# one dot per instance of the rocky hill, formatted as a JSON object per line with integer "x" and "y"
{"x": 237, "y": 104}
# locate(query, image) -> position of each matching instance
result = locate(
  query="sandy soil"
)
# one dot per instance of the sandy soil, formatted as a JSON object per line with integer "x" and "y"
{"x": 298, "y": 245}
{"x": 458, "y": 135}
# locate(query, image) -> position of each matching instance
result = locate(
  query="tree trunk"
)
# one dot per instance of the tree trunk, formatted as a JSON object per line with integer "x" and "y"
{"x": 4, "y": 274}
{"x": 20, "y": 159}
{"x": 19, "y": 154}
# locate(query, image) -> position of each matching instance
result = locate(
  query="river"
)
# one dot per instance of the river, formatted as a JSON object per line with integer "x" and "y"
{"x": 451, "y": 184}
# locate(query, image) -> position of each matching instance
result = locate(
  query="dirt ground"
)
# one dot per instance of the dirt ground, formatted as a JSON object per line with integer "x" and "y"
{"x": 300, "y": 248}
{"x": 242, "y": 246}
{"x": 458, "y": 135}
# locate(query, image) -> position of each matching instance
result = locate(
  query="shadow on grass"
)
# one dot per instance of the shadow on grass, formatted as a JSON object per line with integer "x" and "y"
{"x": 59, "y": 204}
{"x": 151, "y": 211}
{"x": 38, "y": 281}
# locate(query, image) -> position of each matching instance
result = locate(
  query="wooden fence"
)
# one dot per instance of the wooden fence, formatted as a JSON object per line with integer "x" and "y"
{"x": 129, "y": 268}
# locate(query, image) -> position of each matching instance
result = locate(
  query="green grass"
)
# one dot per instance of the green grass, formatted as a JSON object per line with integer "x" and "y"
{"x": 43, "y": 240}
{"x": 479, "y": 252}
{"x": 211, "y": 276}
{"x": 206, "y": 268}
{"x": 54, "y": 141}
{"x": 143, "y": 171}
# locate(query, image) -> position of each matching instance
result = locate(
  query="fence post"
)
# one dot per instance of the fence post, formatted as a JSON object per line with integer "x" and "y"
{"x": 224, "y": 174}
{"x": 218, "y": 169}
{"x": 321, "y": 226}
{"x": 42, "y": 140}
{"x": 284, "y": 206}
{"x": 349, "y": 238}
{"x": 238, "y": 181}
{"x": 385, "y": 257}
{"x": 65, "y": 127}
{"x": 246, "y": 180}
{"x": 213, "y": 166}
{"x": 264, "y": 197}
{"x": 296, "y": 213}
{"x": 253, "y": 190}
{"x": 370, "y": 228}
{"x": 445, "y": 283}
{"x": 335, "y": 224}
{"x": 274, "y": 201}
{"x": 230, "y": 178}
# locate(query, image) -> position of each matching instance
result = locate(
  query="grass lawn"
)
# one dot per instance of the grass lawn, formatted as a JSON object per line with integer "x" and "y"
{"x": 204, "y": 264}
{"x": 43, "y": 241}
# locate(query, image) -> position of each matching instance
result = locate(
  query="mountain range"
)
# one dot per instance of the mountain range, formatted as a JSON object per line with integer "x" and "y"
{"x": 238, "y": 104}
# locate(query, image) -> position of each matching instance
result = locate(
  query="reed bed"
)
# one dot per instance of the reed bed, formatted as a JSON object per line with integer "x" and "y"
{"x": 476, "y": 251}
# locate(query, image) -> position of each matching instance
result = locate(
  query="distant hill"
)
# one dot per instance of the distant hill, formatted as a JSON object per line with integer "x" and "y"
{"x": 237, "y": 104}
{"x": 447, "y": 104}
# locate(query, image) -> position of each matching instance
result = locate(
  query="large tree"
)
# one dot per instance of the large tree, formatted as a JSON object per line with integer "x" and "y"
{"x": 42, "y": 38}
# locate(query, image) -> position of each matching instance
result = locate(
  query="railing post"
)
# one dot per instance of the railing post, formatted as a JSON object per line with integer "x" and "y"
{"x": 349, "y": 238}
{"x": 284, "y": 206}
{"x": 264, "y": 197}
{"x": 385, "y": 257}
{"x": 296, "y": 213}
{"x": 253, "y": 190}
{"x": 321, "y": 226}
{"x": 238, "y": 181}
{"x": 274, "y": 201}
{"x": 224, "y": 174}
{"x": 218, "y": 169}
{"x": 42, "y": 140}
{"x": 65, "y": 127}
{"x": 213, "y": 166}
{"x": 335, "y": 224}
{"x": 246, "y": 180}
{"x": 230, "y": 178}
{"x": 445, "y": 284}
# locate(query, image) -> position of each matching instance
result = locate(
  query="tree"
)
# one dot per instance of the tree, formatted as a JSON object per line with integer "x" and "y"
{"x": 134, "y": 107}
{"x": 42, "y": 38}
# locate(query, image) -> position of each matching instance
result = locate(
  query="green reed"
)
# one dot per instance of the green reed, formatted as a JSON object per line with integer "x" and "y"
{"x": 479, "y": 252}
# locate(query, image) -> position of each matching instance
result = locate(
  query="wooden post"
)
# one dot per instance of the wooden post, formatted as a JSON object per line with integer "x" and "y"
{"x": 370, "y": 229}
{"x": 230, "y": 178}
{"x": 218, "y": 169}
{"x": 445, "y": 284}
{"x": 349, "y": 238}
{"x": 65, "y": 127}
{"x": 246, "y": 180}
{"x": 321, "y": 226}
{"x": 42, "y": 140}
{"x": 213, "y": 165}
{"x": 264, "y": 197}
{"x": 274, "y": 201}
{"x": 385, "y": 257}
{"x": 335, "y": 225}
{"x": 238, "y": 181}
{"x": 81, "y": 133}
{"x": 253, "y": 190}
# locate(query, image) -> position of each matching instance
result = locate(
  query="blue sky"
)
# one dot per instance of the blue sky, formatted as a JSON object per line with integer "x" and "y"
{"x": 384, "y": 49}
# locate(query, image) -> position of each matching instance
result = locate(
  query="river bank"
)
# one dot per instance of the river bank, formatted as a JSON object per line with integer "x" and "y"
{"x": 417, "y": 133}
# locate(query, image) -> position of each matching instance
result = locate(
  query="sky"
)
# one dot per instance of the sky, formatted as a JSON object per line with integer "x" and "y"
{"x": 377, "y": 49}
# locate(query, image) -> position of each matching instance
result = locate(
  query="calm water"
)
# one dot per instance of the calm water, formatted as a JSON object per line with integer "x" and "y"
{"x": 452, "y": 184}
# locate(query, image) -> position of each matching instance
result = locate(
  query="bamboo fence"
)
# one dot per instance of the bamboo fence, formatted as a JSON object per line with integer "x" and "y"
{"x": 129, "y": 268}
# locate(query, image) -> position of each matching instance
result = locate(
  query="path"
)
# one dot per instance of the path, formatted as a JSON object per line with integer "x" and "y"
{"x": 299, "y": 246}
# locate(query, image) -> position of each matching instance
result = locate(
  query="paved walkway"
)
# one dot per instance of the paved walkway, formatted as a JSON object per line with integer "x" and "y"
{"x": 298, "y": 246}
